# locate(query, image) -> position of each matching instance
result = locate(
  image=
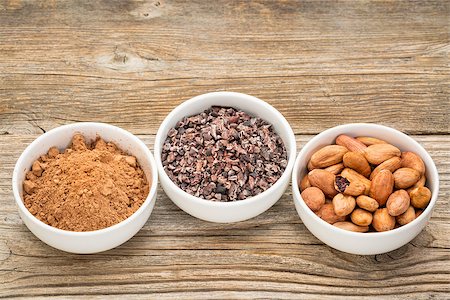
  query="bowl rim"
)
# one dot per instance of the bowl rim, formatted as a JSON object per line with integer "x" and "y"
{"x": 101, "y": 127}
{"x": 346, "y": 129}
{"x": 247, "y": 201}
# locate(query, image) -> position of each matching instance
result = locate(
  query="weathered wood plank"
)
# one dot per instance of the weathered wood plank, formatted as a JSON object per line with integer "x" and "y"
{"x": 130, "y": 63}
{"x": 309, "y": 103}
{"x": 268, "y": 256}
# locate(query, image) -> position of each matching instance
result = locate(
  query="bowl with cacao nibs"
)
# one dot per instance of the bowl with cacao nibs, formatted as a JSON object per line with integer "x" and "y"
{"x": 364, "y": 188}
{"x": 225, "y": 156}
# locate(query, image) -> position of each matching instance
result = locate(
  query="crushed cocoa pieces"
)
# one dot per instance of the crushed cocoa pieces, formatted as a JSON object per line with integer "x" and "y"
{"x": 86, "y": 188}
{"x": 223, "y": 154}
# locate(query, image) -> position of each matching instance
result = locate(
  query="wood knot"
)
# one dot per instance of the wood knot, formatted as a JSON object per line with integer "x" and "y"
{"x": 149, "y": 10}
{"x": 126, "y": 59}
{"x": 120, "y": 57}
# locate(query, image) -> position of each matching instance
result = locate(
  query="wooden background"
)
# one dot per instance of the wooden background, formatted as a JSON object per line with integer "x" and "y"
{"x": 128, "y": 63}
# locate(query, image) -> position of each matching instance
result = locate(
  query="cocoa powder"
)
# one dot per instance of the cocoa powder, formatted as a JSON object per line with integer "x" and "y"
{"x": 86, "y": 188}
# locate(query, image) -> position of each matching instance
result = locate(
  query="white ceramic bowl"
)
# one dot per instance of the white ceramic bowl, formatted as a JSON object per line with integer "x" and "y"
{"x": 354, "y": 242}
{"x": 224, "y": 212}
{"x": 91, "y": 241}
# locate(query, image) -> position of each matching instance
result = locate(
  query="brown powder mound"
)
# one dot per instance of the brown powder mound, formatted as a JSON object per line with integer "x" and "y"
{"x": 88, "y": 187}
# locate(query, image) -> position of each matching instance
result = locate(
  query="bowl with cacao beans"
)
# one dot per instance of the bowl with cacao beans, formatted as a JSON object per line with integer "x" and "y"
{"x": 224, "y": 156}
{"x": 364, "y": 188}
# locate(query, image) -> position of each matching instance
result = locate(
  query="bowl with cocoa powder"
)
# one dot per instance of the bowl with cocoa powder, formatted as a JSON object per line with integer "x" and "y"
{"x": 364, "y": 188}
{"x": 85, "y": 187}
{"x": 224, "y": 156}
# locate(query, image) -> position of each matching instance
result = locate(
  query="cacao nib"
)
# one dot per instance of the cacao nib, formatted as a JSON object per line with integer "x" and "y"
{"x": 342, "y": 183}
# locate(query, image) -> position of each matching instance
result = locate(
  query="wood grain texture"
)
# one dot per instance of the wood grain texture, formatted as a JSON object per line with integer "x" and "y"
{"x": 270, "y": 256}
{"x": 128, "y": 63}
{"x": 334, "y": 61}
